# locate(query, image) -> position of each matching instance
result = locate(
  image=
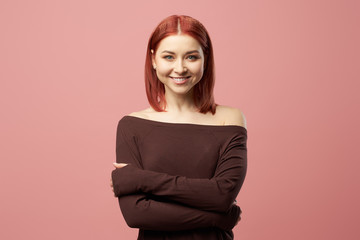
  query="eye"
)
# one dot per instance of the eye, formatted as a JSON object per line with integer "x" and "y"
{"x": 192, "y": 57}
{"x": 168, "y": 57}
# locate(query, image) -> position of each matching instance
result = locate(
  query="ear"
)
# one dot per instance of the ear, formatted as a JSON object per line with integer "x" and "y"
{"x": 153, "y": 58}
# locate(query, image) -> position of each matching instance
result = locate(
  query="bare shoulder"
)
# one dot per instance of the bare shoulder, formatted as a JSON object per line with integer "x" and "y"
{"x": 141, "y": 114}
{"x": 231, "y": 116}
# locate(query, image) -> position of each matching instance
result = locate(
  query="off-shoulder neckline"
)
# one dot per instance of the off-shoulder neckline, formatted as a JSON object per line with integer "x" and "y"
{"x": 160, "y": 123}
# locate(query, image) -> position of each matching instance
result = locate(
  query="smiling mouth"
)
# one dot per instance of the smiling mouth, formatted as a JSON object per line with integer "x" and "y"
{"x": 180, "y": 80}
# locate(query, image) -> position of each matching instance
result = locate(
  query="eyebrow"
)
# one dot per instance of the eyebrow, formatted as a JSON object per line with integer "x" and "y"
{"x": 189, "y": 52}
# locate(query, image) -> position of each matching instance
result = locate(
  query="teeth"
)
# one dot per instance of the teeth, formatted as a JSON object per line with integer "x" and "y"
{"x": 179, "y": 79}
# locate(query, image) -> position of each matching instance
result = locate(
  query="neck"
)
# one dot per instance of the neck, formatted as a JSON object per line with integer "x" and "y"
{"x": 180, "y": 103}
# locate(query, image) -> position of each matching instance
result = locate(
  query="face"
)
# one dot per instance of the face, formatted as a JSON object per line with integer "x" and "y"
{"x": 179, "y": 62}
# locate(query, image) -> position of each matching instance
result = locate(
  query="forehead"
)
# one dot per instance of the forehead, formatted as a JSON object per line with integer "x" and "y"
{"x": 179, "y": 43}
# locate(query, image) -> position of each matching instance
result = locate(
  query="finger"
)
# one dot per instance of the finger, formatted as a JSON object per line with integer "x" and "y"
{"x": 119, "y": 165}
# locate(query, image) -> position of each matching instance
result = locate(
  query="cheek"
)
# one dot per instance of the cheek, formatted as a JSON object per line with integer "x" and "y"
{"x": 159, "y": 74}
{"x": 162, "y": 71}
{"x": 198, "y": 68}
{"x": 163, "y": 67}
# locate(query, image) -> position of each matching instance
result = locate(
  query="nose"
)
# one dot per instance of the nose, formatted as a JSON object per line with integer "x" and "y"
{"x": 179, "y": 67}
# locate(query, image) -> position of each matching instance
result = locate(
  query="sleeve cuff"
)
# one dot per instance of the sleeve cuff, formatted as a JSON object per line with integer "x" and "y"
{"x": 126, "y": 180}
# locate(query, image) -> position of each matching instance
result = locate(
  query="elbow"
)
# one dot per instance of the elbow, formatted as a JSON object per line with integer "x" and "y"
{"x": 131, "y": 211}
{"x": 132, "y": 222}
{"x": 131, "y": 217}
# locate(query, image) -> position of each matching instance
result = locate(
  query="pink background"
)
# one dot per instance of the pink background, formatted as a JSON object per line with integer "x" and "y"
{"x": 70, "y": 70}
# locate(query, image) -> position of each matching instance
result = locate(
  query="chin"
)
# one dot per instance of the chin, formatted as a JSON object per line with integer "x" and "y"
{"x": 183, "y": 91}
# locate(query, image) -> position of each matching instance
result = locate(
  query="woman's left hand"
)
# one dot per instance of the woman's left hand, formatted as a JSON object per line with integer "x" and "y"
{"x": 116, "y": 165}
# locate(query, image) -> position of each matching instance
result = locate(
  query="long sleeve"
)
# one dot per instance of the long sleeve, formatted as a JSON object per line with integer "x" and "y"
{"x": 148, "y": 212}
{"x": 139, "y": 211}
{"x": 215, "y": 194}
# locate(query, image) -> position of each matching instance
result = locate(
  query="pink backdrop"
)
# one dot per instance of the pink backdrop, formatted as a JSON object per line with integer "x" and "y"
{"x": 70, "y": 70}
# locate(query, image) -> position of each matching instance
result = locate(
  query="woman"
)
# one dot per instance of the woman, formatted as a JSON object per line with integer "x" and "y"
{"x": 182, "y": 161}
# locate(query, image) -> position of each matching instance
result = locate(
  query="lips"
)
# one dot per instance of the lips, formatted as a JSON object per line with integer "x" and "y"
{"x": 180, "y": 80}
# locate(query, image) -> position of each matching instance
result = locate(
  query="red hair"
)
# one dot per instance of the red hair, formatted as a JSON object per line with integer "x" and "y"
{"x": 203, "y": 90}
